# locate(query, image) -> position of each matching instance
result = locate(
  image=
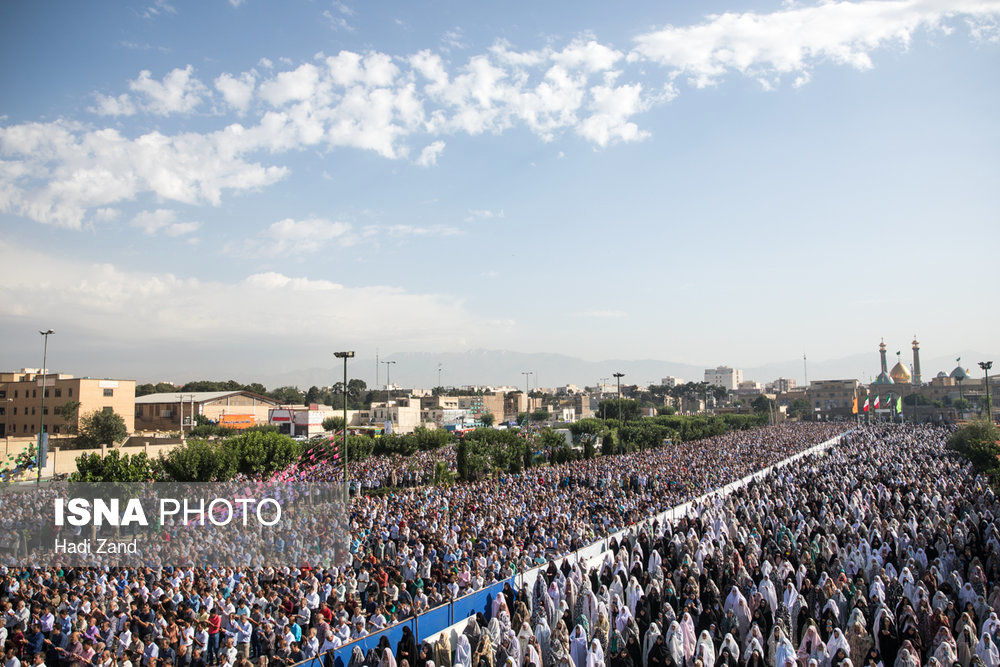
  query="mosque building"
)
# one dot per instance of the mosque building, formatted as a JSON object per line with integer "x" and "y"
{"x": 901, "y": 381}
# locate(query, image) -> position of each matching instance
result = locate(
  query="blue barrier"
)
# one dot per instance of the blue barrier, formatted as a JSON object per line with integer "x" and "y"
{"x": 342, "y": 655}
{"x": 434, "y": 620}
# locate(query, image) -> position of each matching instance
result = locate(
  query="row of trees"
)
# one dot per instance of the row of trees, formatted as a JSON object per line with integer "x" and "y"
{"x": 255, "y": 453}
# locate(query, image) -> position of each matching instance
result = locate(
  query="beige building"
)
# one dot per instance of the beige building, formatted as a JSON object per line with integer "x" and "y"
{"x": 21, "y": 393}
{"x": 169, "y": 411}
{"x": 404, "y": 413}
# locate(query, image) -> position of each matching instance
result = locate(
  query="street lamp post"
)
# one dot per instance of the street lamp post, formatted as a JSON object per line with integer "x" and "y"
{"x": 41, "y": 418}
{"x": 527, "y": 397}
{"x": 345, "y": 356}
{"x": 986, "y": 366}
{"x": 387, "y": 384}
{"x": 618, "y": 377}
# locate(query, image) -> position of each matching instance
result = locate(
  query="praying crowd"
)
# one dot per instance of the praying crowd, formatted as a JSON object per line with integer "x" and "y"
{"x": 413, "y": 550}
{"x": 885, "y": 552}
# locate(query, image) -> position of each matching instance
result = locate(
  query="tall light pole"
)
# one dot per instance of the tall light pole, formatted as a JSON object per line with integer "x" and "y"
{"x": 618, "y": 377}
{"x": 439, "y": 376}
{"x": 41, "y": 418}
{"x": 527, "y": 397}
{"x": 345, "y": 356}
{"x": 387, "y": 385}
{"x": 986, "y": 366}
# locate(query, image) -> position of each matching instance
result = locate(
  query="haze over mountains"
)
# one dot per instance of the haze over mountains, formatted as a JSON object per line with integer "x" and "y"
{"x": 504, "y": 367}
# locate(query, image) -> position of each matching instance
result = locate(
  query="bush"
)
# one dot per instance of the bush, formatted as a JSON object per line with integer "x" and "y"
{"x": 979, "y": 441}
{"x": 198, "y": 461}
{"x": 115, "y": 467}
{"x": 260, "y": 454}
{"x": 333, "y": 424}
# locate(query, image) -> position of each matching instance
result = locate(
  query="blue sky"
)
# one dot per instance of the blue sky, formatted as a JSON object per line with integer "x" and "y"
{"x": 254, "y": 184}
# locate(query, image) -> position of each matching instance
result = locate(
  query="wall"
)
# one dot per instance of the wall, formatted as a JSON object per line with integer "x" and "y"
{"x": 63, "y": 461}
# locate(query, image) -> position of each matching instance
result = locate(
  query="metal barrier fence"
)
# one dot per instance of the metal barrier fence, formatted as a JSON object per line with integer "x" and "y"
{"x": 429, "y": 625}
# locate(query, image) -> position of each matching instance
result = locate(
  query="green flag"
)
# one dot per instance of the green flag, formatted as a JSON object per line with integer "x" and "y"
{"x": 899, "y": 404}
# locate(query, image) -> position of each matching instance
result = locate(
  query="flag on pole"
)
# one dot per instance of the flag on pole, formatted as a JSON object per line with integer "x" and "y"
{"x": 877, "y": 397}
{"x": 866, "y": 404}
{"x": 854, "y": 408}
{"x": 899, "y": 404}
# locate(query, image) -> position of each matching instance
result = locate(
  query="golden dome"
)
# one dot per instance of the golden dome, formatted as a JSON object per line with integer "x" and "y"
{"x": 900, "y": 374}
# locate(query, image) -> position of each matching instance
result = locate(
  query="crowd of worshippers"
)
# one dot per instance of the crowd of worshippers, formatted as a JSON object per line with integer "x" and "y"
{"x": 411, "y": 551}
{"x": 884, "y": 553}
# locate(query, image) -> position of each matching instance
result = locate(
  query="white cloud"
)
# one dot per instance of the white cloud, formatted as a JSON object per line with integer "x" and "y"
{"x": 114, "y": 106}
{"x": 179, "y": 92}
{"x": 483, "y": 214}
{"x": 162, "y": 307}
{"x": 236, "y": 3}
{"x": 795, "y": 38}
{"x": 290, "y": 237}
{"x": 165, "y": 221}
{"x": 237, "y": 91}
{"x": 406, "y": 107}
{"x": 429, "y": 155}
{"x": 55, "y": 172}
{"x": 158, "y": 8}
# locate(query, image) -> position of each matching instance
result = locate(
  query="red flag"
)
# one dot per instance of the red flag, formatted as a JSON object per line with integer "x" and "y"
{"x": 866, "y": 404}
{"x": 876, "y": 402}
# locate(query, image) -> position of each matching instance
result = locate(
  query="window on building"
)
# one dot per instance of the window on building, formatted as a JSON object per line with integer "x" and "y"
{"x": 55, "y": 430}
{"x": 24, "y": 429}
{"x": 69, "y": 391}
{"x": 34, "y": 393}
{"x": 15, "y": 409}
{"x": 109, "y": 392}
{"x": 46, "y": 393}
{"x": 15, "y": 393}
{"x": 58, "y": 393}
{"x": 45, "y": 410}
{"x": 3, "y": 411}
{"x": 32, "y": 409}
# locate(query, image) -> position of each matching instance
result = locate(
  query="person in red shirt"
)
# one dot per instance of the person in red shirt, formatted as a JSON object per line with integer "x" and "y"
{"x": 214, "y": 627}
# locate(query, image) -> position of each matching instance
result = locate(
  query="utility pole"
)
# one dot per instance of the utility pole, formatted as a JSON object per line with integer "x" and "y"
{"x": 345, "y": 356}
{"x": 618, "y": 377}
{"x": 805, "y": 369}
{"x": 41, "y": 418}
{"x": 439, "y": 376}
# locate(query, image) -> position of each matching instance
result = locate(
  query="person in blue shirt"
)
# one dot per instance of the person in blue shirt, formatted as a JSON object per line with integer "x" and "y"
{"x": 36, "y": 640}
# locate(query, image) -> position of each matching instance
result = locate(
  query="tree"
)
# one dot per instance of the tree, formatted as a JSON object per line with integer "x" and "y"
{"x": 333, "y": 424}
{"x": 198, "y": 461}
{"x": 609, "y": 408}
{"x": 539, "y": 415}
{"x": 720, "y": 393}
{"x": 762, "y": 404}
{"x": 288, "y": 394}
{"x": 70, "y": 413}
{"x": 258, "y": 454}
{"x": 101, "y": 428}
{"x": 115, "y": 467}
{"x": 799, "y": 408}
{"x": 312, "y": 396}
{"x": 666, "y": 410}
{"x": 961, "y": 404}
{"x": 978, "y": 442}
{"x": 487, "y": 419}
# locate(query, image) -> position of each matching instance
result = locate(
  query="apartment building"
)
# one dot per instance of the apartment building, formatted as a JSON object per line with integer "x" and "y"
{"x": 21, "y": 394}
